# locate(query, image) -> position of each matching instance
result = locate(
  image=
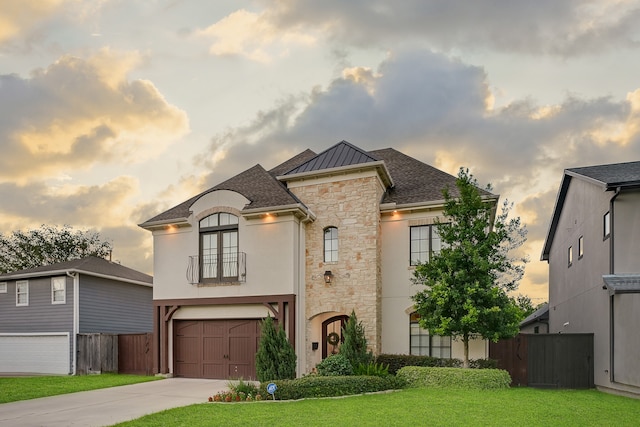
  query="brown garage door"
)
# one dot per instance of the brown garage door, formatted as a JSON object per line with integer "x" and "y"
{"x": 218, "y": 349}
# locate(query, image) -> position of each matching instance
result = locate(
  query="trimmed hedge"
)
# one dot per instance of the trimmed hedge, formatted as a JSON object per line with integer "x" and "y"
{"x": 332, "y": 386}
{"x": 481, "y": 379}
{"x": 398, "y": 361}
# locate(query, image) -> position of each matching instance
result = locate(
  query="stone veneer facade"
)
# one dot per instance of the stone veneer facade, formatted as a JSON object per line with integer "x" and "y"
{"x": 350, "y": 203}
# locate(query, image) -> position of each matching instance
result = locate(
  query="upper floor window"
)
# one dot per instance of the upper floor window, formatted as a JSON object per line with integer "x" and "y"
{"x": 424, "y": 243}
{"x": 424, "y": 344}
{"x": 580, "y": 247}
{"x": 330, "y": 244}
{"x": 58, "y": 290}
{"x": 22, "y": 292}
{"x": 570, "y": 256}
{"x": 606, "y": 225}
{"x": 3, "y": 288}
{"x": 219, "y": 247}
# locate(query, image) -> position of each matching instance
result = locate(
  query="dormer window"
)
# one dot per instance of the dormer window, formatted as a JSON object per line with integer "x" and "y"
{"x": 219, "y": 247}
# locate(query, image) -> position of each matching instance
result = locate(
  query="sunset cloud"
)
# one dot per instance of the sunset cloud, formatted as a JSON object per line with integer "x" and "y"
{"x": 77, "y": 112}
{"x": 563, "y": 28}
{"x": 250, "y": 35}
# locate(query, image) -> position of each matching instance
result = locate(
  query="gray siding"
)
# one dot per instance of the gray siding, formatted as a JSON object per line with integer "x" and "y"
{"x": 109, "y": 306}
{"x": 40, "y": 315}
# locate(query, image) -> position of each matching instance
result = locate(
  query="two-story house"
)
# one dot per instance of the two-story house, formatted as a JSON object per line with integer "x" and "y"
{"x": 43, "y": 309}
{"x": 592, "y": 249}
{"x": 306, "y": 242}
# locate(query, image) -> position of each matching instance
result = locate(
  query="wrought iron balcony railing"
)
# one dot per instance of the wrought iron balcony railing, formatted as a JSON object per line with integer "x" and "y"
{"x": 224, "y": 267}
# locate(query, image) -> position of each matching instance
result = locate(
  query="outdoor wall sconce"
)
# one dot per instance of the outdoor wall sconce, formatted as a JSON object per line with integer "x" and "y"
{"x": 328, "y": 277}
{"x": 314, "y": 346}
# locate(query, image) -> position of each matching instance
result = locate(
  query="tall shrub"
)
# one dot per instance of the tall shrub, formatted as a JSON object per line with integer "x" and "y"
{"x": 354, "y": 347}
{"x": 276, "y": 358}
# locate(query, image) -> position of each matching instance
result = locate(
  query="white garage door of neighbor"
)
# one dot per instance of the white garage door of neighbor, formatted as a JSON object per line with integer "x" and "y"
{"x": 46, "y": 353}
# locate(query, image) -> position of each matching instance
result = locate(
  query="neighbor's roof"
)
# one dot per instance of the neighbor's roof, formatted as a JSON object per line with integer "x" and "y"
{"x": 92, "y": 266}
{"x": 409, "y": 180}
{"x": 541, "y": 314}
{"x": 609, "y": 177}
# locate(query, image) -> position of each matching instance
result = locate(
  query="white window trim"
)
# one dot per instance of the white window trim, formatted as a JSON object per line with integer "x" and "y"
{"x": 3, "y": 287}
{"x": 20, "y": 282}
{"x": 64, "y": 290}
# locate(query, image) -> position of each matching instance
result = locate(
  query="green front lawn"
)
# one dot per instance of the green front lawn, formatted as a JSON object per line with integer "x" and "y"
{"x": 23, "y": 388}
{"x": 416, "y": 407}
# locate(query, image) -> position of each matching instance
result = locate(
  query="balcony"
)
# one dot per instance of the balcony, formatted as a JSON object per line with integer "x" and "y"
{"x": 225, "y": 267}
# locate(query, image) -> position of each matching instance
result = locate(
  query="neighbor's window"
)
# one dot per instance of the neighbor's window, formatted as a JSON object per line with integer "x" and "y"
{"x": 219, "y": 247}
{"x": 22, "y": 292}
{"x": 330, "y": 244}
{"x": 3, "y": 288}
{"x": 606, "y": 225}
{"x": 424, "y": 243}
{"x": 580, "y": 247}
{"x": 58, "y": 290}
{"x": 424, "y": 344}
{"x": 570, "y": 256}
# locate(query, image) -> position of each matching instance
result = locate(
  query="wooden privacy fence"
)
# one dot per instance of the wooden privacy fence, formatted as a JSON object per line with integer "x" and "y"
{"x": 97, "y": 353}
{"x": 121, "y": 353}
{"x": 547, "y": 360}
{"x": 135, "y": 354}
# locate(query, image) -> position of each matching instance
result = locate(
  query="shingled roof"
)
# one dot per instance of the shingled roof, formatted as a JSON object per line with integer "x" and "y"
{"x": 90, "y": 265}
{"x": 610, "y": 176}
{"x": 410, "y": 181}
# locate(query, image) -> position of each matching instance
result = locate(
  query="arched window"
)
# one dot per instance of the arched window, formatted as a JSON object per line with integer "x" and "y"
{"x": 219, "y": 247}
{"x": 424, "y": 344}
{"x": 330, "y": 244}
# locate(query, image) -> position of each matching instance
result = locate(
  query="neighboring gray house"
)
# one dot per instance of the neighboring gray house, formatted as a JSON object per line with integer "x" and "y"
{"x": 594, "y": 270}
{"x": 537, "y": 322}
{"x": 43, "y": 309}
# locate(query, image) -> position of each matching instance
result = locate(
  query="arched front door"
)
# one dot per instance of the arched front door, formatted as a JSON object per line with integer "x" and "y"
{"x": 332, "y": 334}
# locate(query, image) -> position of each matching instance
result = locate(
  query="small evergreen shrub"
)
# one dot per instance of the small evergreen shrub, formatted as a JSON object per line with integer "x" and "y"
{"x": 335, "y": 365}
{"x": 372, "y": 369}
{"x": 482, "y": 379}
{"x": 354, "y": 347}
{"x": 276, "y": 358}
{"x": 331, "y": 386}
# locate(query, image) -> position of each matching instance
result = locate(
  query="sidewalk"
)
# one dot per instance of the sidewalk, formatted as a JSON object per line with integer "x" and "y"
{"x": 108, "y": 406}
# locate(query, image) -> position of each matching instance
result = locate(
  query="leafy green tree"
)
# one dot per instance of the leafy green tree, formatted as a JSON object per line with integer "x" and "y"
{"x": 354, "y": 346}
{"x": 48, "y": 245}
{"x": 276, "y": 358}
{"x": 525, "y": 305}
{"x": 468, "y": 281}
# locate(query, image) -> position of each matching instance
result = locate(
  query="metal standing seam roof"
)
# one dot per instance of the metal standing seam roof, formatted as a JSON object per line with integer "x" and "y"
{"x": 89, "y": 265}
{"x": 341, "y": 154}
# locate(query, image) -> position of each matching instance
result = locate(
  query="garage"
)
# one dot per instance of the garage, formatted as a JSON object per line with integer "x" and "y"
{"x": 216, "y": 349}
{"x": 46, "y": 353}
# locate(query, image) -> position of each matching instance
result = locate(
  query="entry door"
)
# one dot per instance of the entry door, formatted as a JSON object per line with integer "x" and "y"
{"x": 332, "y": 334}
{"x": 217, "y": 349}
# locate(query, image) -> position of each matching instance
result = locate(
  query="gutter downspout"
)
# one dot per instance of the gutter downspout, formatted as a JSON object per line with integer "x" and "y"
{"x": 611, "y": 271}
{"x": 300, "y": 292}
{"x": 76, "y": 319}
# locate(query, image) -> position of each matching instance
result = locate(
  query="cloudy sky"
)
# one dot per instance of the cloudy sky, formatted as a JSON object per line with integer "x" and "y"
{"x": 113, "y": 110}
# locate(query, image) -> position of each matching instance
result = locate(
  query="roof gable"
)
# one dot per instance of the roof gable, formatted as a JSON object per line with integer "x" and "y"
{"x": 341, "y": 154}
{"x": 609, "y": 177}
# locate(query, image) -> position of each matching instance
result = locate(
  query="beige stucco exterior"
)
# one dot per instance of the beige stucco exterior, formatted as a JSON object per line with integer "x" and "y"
{"x": 285, "y": 256}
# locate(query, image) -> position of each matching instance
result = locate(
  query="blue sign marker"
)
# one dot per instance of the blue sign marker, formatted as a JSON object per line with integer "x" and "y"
{"x": 271, "y": 389}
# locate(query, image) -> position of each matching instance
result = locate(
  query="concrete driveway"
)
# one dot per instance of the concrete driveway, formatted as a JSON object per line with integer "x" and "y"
{"x": 110, "y": 405}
